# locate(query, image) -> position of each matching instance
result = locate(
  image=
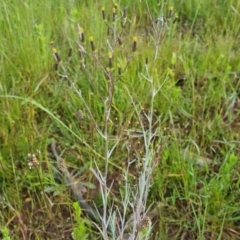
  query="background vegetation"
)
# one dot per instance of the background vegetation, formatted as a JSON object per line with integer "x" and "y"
{"x": 194, "y": 62}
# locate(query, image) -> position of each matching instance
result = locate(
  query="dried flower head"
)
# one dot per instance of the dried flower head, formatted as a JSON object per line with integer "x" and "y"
{"x": 79, "y": 114}
{"x": 144, "y": 224}
{"x": 33, "y": 160}
{"x": 62, "y": 165}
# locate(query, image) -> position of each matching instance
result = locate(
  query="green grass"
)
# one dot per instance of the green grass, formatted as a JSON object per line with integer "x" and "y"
{"x": 195, "y": 114}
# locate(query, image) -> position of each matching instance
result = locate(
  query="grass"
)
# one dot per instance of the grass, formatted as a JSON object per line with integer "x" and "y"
{"x": 170, "y": 143}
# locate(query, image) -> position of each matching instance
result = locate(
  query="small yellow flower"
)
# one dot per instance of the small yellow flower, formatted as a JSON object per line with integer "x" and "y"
{"x": 103, "y": 13}
{"x": 170, "y": 12}
{"x": 110, "y": 54}
{"x": 92, "y": 43}
{"x": 134, "y": 48}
